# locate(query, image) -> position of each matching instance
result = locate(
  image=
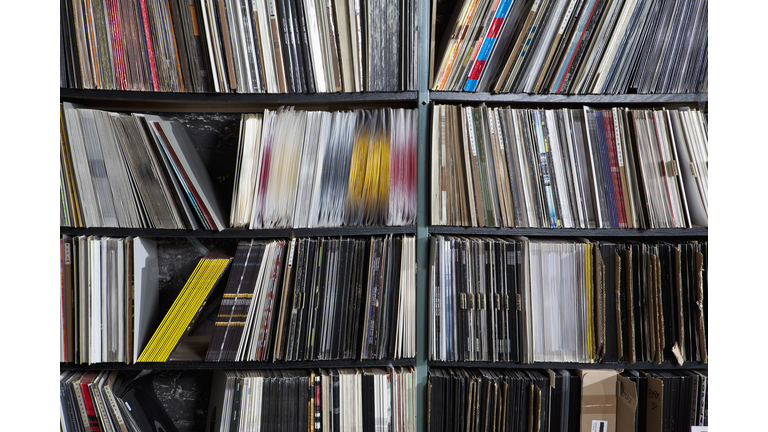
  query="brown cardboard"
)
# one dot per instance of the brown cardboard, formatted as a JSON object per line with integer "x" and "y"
{"x": 473, "y": 421}
{"x": 700, "y": 304}
{"x": 626, "y": 405}
{"x": 680, "y": 343}
{"x": 503, "y": 405}
{"x": 654, "y": 310}
{"x": 678, "y": 353}
{"x": 617, "y": 283}
{"x": 498, "y": 398}
{"x": 599, "y": 303}
{"x": 630, "y": 309}
{"x": 654, "y": 404}
{"x": 649, "y": 290}
{"x": 659, "y": 311}
{"x": 598, "y": 398}
{"x": 531, "y": 408}
{"x": 537, "y": 410}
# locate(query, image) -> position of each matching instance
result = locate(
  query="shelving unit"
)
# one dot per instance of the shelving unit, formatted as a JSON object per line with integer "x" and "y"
{"x": 554, "y": 101}
{"x": 212, "y": 121}
{"x": 212, "y": 103}
{"x": 159, "y": 102}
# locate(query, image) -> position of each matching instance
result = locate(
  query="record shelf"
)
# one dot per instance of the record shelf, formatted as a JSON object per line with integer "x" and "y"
{"x": 565, "y": 100}
{"x": 696, "y": 232}
{"x": 230, "y": 102}
{"x": 569, "y": 365}
{"x": 243, "y": 233}
{"x": 699, "y": 101}
{"x": 184, "y": 365}
{"x": 211, "y": 120}
{"x": 178, "y": 375}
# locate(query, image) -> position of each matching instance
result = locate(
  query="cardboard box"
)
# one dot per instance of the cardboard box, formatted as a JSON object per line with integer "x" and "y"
{"x": 598, "y": 400}
{"x": 626, "y": 407}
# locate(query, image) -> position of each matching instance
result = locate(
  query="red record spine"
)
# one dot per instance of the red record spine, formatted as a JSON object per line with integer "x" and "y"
{"x": 118, "y": 60}
{"x": 93, "y": 421}
{"x": 150, "y": 51}
{"x": 615, "y": 175}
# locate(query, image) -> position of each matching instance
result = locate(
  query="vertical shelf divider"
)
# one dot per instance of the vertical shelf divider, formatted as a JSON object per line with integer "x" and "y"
{"x": 422, "y": 218}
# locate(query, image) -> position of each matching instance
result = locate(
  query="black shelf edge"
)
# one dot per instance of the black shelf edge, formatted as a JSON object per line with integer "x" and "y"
{"x": 620, "y": 99}
{"x": 572, "y": 232}
{"x": 201, "y": 365}
{"x": 371, "y": 97}
{"x": 242, "y": 233}
{"x": 570, "y": 365}
{"x": 85, "y": 95}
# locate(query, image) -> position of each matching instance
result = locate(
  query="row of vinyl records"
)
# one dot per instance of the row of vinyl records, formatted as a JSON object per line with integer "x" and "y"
{"x": 367, "y": 400}
{"x": 538, "y": 300}
{"x": 243, "y": 46}
{"x": 567, "y": 401}
{"x": 343, "y": 168}
{"x": 575, "y": 47}
{"x": 281, "y": 300}
{"x": 569, "y": 168}
{"x": 110, "y": 401}
{"x": 294, "y": 169}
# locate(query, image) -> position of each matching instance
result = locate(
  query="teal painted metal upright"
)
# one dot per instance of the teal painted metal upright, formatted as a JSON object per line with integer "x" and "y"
{"x": 422, "y": 219}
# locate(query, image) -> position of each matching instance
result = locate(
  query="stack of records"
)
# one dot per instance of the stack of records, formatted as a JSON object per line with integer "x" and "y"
{"x": 243, "y": 46}
{"x": 575, "y": 47}
{"x": 566, "y": 400}
{"x": 318, "y": 299}
{"x": 110, "y": 401}
{"x": 326, "y": 169}
{"x": 682, "y": 395}
{"x": 109, "y": 298}
{"x": 366, "y": 400}
{"x": 521, "y": 300}
{"x": 132, "y": 171}
{"x": 569, "y": 168}
{"x": 476, "y": 287}
{"x": 511, "y": 400}
{"x": 186, "y": 308}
